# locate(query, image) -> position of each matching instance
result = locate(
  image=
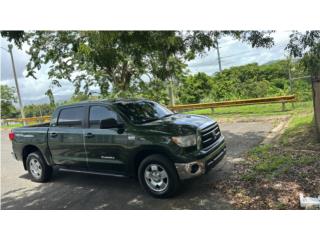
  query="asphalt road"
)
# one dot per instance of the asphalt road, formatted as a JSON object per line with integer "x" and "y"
{"x": 80, "y": 191}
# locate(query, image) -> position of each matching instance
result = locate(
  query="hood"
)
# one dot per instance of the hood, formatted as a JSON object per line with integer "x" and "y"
{"x": 187, "y": 120}
{"x": 180, "y": 123}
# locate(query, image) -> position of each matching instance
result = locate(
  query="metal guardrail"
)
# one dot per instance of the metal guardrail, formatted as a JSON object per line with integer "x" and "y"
{"x": 27, "y": 120}
{"x": 282, "y": 99}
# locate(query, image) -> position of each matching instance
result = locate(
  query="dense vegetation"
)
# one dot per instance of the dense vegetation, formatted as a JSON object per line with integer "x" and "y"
{"x": 7, "y": 101}
{"x": 247, "y": 81}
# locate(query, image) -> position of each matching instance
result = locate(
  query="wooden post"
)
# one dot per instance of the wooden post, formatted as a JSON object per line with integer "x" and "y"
{"x": 212, "y": 110}
{"x": 316, "y": 103}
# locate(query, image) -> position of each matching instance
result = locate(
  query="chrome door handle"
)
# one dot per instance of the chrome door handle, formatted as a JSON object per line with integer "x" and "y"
{"x": 53, "y": 134}
{"x": 89, "y": 135}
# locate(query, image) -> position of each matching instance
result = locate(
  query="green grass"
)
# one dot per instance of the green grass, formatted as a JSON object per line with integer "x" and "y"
{"x": 300, "y": 130}
{"x": 256, "y": 110}
{"x": 297, "y": 147}
{"x": 16, "y": 125}
{"x": 269, "y": 162}
{"x": 11, "y": 126}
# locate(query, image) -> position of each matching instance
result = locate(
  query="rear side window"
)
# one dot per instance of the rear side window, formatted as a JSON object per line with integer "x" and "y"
{"x": 71, "y": 117}
{"x": 98, "y": 113}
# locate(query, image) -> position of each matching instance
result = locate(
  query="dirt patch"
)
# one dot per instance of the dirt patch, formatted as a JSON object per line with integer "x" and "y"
{"x": 276, "y": 132}
{"x": 274, "y": 119}
{"x": 273, "y": 183}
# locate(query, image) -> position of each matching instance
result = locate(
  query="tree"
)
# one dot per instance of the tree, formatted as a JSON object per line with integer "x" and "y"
{"x": 7, "y": 99}
{"x": 37, "y": 110}
{"x": 307, "y": 46}
{"x": 51, "y": 97}
{"x": 242, "y": 82}
{"x": 195, "y": 88}
{"x": 112, "y": 60}
{"x": 16, "y": 36}
{"x": 154, "y": 89}
{"x": 80, "y": 96}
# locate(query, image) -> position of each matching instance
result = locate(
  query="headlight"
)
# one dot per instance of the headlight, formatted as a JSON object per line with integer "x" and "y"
{"x": 199, "y": 140}
{"x": 185, "y": 141}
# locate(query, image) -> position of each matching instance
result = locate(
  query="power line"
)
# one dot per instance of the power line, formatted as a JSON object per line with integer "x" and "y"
{"x": 237, "y": 54}
{"x": 240, "y": 53}
{"x": 247, "y": 52}
{"x": 5, "y": 49}
{"x": 220, "y": 58}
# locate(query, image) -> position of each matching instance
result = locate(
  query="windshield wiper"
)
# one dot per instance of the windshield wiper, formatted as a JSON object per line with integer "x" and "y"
{"x": 150, "y": 120}
{"x": 155, "y": 119}
{"x": 167, "y": 115}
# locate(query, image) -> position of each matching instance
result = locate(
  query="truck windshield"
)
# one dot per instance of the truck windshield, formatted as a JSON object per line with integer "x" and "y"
{"x": 143, "y": 111}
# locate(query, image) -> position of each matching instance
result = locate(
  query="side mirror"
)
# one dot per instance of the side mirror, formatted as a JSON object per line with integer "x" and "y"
{"x": 110, "y": 123}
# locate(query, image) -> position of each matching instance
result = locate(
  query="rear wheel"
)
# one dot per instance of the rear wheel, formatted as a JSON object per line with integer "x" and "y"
{"x": 158, "y": 176}
{"x": 38, "y": 168}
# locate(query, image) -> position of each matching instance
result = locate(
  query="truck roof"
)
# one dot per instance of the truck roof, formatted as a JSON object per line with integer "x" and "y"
{"x": 107, "y": 101}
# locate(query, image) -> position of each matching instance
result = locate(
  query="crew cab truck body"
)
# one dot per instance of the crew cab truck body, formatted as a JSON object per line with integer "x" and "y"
{"x": 127, "y": 138}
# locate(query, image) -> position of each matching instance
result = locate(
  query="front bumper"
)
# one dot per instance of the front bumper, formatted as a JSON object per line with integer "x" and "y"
{"x": 201, "y": 166}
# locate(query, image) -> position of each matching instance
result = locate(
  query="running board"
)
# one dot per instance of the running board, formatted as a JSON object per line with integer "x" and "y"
{"x": 91, "y": 172}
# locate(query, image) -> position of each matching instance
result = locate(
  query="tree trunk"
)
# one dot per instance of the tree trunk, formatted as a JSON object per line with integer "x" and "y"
{"x": 316, "y": 103}
{"x": 171, "y": 93}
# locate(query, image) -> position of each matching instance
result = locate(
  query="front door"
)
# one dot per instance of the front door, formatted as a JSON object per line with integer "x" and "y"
{"x": 66, "y": 139}
{"x": 106, "y": 148}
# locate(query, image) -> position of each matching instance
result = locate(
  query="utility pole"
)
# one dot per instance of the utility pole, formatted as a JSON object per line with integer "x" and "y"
{"x": 16, "y": 81}
{"x": 290, "y": 78}
{"x": 218, "y": 52}
{"x": 290, "y": 75}
{"x": 40, "y": 111}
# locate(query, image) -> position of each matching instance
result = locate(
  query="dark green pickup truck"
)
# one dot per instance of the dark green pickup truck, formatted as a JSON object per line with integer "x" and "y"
{"x": 125, "y": 138}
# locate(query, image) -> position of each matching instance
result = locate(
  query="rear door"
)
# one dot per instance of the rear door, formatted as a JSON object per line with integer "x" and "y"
{"x": 66, "y": 139}
{"x": 106, "y": 148}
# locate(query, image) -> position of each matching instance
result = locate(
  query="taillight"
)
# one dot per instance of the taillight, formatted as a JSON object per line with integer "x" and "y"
{"x": 11, "y": 136}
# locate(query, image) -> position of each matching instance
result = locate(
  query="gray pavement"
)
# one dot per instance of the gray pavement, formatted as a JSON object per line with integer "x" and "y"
{"x": 80, "y": 191}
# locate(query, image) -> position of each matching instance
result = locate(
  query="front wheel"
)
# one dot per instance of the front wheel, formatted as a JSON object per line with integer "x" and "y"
{"x": 158, "y": 176}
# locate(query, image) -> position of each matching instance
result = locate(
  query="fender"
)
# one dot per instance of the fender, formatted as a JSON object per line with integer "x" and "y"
{"x": 45, "y": 154}
{"x": 141, "y": 152}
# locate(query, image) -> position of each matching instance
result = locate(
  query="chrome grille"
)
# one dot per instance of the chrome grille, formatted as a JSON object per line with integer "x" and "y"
{"x": 209, "y": 135}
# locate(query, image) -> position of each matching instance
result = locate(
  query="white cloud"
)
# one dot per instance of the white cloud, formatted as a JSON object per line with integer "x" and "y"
{"x": 235, "y": 53}
{"x": 32, "y": 90}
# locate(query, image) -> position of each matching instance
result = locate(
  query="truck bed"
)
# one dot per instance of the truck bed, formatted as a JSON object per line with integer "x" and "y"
{"x": 36, "y": 125}
{"x": 36, "y": 135}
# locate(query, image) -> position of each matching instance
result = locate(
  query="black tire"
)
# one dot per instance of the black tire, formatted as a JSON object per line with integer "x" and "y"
{"x": 46, "y": 171}
{"x": 172, "y": 182}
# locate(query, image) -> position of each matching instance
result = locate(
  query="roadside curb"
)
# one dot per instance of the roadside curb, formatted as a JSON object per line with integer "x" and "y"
{"x": 276, "y": 132}
{"x": 253, "y": 119}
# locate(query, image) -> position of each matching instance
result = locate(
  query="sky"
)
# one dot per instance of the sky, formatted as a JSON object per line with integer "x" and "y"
{"x": 232, "y": 52}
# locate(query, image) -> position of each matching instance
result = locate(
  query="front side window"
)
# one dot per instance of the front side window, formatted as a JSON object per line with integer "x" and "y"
{"x": 140, "y": 112}
{"x": 98, "y": 113}
{"x": 71, "y": 117}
